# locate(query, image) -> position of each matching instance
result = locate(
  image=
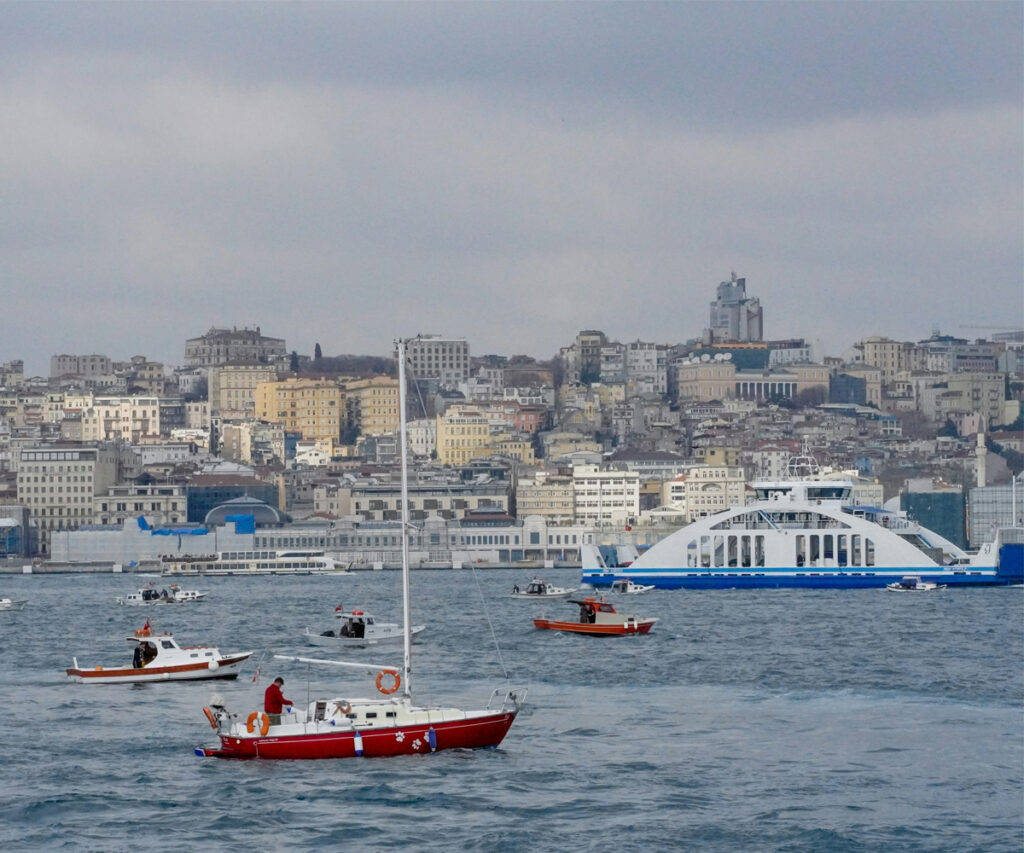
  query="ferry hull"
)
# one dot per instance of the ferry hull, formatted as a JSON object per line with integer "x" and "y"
{"x": 788, "y": 579}
{"x": 482, "y": 732}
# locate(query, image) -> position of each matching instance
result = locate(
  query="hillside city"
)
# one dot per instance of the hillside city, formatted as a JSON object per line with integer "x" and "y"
{"x": 516, "y": 459}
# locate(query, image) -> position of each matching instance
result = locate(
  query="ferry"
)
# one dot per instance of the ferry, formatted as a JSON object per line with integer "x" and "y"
{"x": 250, "y": 563}
{"x": 807, "y": 533}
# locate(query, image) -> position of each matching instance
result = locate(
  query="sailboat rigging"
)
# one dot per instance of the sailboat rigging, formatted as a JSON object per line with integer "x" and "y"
{"x": 339, "y": 727}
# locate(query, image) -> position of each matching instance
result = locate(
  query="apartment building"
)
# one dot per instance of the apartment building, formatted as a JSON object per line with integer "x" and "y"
{"x": 159, "y": 503}
{"x": 314, "y": 408}
{"x": 372, "y": 405}
{"x": 232, "y": 389}
{"x": 436, "y": 357}
{"x": 552, "y": 497}
{"x": 128, "y": 419}
{"x": 463, "y": 434}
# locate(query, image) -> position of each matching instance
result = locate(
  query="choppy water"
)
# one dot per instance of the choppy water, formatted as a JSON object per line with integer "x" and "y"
{"x": 747, "y": 721}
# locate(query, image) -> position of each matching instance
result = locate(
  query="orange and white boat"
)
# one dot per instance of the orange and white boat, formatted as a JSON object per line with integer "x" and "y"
{"x": 158, "y": 657}
{"x": 600, "y": 618}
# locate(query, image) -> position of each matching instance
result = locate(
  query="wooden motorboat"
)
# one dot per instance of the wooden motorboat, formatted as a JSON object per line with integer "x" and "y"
{"x": 600, "y": 618}
{"x": 539, "y": 589}
{"x": 158, "y": 657}
{"x": 359, "y": 629}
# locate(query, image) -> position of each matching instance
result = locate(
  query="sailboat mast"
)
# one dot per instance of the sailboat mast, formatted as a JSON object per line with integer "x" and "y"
{"x": 406, "y": 610}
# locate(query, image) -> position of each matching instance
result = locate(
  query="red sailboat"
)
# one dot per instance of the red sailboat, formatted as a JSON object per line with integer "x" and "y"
{"x": 600, "y": 618}
{"x": 342, "y": 727}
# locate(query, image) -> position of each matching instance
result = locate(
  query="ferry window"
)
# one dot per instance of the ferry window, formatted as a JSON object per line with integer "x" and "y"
{"x": 691, "y": 555}
{"x": 705, "y": 552}
{"x": 759, "y": 550}
{"x": 842, "y": 549}
{"x": 869, "y": 552}
{"x": 815, "y": 543}
{"x": 745, "y": 551}
{"x": 719, "y": 550}
{"x": 855, "y": 550}
{"x": 801, "y": 550}
{"x": 828, "y": 546}
{"x": 731, "y": 552}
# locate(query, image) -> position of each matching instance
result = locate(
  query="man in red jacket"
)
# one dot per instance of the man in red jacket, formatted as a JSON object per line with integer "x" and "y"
{"x": 274, "y": 701}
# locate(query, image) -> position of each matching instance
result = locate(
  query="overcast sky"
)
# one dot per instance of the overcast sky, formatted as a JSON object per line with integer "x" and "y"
{"x": 347, "y": 173}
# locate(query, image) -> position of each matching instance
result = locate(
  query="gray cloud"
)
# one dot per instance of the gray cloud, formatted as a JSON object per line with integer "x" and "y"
{"x": 348, "y": 173}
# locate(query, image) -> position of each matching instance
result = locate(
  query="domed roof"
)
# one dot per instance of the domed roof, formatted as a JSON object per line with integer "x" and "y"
{"x": 263, "y": 513}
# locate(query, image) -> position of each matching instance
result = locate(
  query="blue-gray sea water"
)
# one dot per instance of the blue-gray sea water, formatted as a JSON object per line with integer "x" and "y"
{"x": 746, "y": 721}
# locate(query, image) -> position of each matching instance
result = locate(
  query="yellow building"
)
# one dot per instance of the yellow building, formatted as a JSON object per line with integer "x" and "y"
{"x": 313, "y": 407}
{"x": 463, "y": 434}
{"x": 373, "y": 405}
{"x": 232, "y": 389}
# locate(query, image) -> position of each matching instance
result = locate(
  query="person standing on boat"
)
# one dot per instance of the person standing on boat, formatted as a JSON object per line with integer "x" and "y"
{"x": 274, "y": 701}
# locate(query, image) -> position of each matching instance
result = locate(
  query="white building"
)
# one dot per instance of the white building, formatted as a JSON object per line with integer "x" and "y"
{"x": 605, "y": 498}
{"x": 440, "y": 358}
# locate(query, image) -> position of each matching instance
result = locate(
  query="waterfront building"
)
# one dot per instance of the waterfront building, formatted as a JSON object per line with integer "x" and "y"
{"x": 605, "y": 498}
{"x": 444, "y": 498}
{"x": 207, "y": 491}
{"x": 160, "y": 503}
{"x": 549, "y": 496}
{"x": 59, "y": 484}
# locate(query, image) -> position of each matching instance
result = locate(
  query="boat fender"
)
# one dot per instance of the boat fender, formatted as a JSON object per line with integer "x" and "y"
{"x": 432, "y": 739}
{"x": 357, "y": 742}
{"x": 342, "y": 707}
{"x": 213, "y": 666}
{"x": 250, "y": 724}
{"x": 387, "y": 691}
{"x": 210, "y": 716}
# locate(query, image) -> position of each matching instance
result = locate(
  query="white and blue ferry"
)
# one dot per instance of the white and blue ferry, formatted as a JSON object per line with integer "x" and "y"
{"x": 807, "y": 533}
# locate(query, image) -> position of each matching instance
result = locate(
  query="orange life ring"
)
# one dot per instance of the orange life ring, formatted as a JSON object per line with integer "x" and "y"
{"x": 389, "y": 690}
{"x": 210, "y": 717}
{"x": 343, "y": 707}
{"x": 250, "y": 724}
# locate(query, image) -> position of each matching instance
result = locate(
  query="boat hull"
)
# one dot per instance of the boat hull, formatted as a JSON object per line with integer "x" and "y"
{"x": 476, "y": 733}
{"x": 597, "y": 630}
{"x": 359, "y": 642}
{"x": 227, "y": 668}
{"x": 671, "y": 579}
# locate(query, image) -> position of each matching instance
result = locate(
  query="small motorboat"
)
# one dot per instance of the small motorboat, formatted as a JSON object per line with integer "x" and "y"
{"x": 150, "y": 596}
{"x": 537, "y": 589}
{"x": 359, "y": 629}
{"x": 12, "y": 604}
{"x": 158, "y": 657}
{"x": 624, "y": 586}
{"x": 913, "y": 583}
{"x": 599, "y": 617}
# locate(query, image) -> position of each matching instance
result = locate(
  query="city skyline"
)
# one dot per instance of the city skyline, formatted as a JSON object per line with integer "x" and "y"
{"x": 346, "y": 174}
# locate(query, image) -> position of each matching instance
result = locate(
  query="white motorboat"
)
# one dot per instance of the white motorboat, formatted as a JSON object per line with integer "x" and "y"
{"x": 359, "y": 629}
{"x": 158, "y": 657}
{"x": 624, "y": 586}
{"x": 913, "y": 583}
{"x": 12, "y": 604}
{"x": 539, "y": 589}
{"x": 149, "y": 596}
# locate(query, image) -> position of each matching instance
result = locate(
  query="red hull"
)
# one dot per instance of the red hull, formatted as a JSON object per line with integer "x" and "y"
{"x": 486, "y": 731}
{"x": 595, "y": 630}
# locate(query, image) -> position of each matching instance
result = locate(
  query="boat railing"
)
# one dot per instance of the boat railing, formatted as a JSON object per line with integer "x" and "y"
{"x": 510, "y": 698}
